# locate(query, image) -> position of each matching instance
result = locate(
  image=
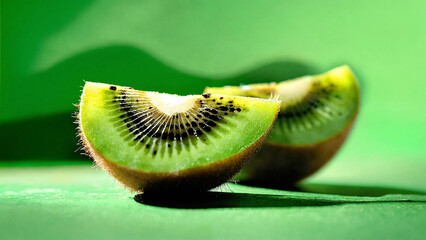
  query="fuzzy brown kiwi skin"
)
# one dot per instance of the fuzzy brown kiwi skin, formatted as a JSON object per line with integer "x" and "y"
{"x": 195, "y": 179}
{"x": 282, "y": 165}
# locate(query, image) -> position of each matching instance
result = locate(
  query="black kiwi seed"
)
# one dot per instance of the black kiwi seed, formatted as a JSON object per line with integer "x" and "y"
{"x": 215, "y": 117}
{"x": 147, "y": 146}
{"x": 223, "y": 108}
{"x": 214, "y": 111}
{"x": 210, "y": 123}
{"x": 171, "y": 136}
{"x": 199, "y": 132}
{"x": 231, "y": 109}
{"x": 125, "y": 108}
{"x": 187, "y": 124}
{"x": 136, "y": 120}
{"x": 238, "y": 109}
{"x": 113, "y": 88}
{"x": 221, "y": 97}
{"x": 155, "y": 152}
{"x": 177, "y": 136}
{"x": 141, "y": 126}
{"x": 206, "y": 95}
{"x": 191, "y": 131}
{"x": 206, "y": 114}
{"x": 194, "y": 124}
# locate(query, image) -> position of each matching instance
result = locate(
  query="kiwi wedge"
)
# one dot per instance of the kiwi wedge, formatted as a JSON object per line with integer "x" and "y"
{"x": 316, "y": 115}
{"x": 159, "y": 142}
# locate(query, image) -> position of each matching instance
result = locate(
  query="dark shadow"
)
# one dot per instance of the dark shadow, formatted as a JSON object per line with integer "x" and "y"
{"x": 44, "y": 138}
{"x": 60, "y": 86}
{"x": 247, "y": 200}
{"x": 224, "y": 200}
{"x": 366, "y": 191}
{"x": 345, "y": 190}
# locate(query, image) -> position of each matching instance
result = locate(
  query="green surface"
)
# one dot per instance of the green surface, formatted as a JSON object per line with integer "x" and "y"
{"x": 82, "y": 202}
{"x": 49, "y": 47}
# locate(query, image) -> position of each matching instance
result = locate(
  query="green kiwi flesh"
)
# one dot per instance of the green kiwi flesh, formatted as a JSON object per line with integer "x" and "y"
{"x": 316, "y": 115}
{"x": 161, "y": 142}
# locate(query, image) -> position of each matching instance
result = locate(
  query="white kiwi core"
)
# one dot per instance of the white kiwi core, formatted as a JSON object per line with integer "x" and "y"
{"x": 171, "y": 104}
{"x": 294, "y": 91}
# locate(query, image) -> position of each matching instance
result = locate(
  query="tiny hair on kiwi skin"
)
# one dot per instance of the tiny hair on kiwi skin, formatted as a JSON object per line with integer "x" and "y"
{"x": 155, "y": 142}
{"x": 316, "y": 116}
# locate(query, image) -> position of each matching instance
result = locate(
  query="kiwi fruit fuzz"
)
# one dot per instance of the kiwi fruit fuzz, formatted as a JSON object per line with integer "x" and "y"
{"x": 316, "y": 115}
{"x": 157, "y": 142}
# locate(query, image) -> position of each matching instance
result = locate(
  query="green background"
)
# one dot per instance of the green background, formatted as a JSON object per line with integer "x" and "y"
{"x": 49, "y": 47}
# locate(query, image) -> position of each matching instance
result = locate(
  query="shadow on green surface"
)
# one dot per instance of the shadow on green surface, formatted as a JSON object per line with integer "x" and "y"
{"x": 304, "y": 195}
{"x": 53, "y": 137}
{"x": 225, "y": 200}
{"x": 248, "y": 200}
{"x": 44, "y": 138}
{"x": 346, "y": 190}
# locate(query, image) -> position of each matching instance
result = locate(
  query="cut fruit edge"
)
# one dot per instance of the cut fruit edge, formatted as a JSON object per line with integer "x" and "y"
{"x": 97, "y": 127}
{"x": 346, "y": 82}
{"x": 137, "y": 180}
{"x": 205, "y": 176}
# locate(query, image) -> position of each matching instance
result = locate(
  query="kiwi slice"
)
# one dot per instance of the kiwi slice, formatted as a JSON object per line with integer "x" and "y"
{"x": 316, "y": 115}
{"x": 153, "y": 141}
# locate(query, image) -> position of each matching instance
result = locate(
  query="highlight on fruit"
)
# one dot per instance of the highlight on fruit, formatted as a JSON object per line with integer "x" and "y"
{"x": 156, "y": 142}
{"x": 316, "y": 116}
